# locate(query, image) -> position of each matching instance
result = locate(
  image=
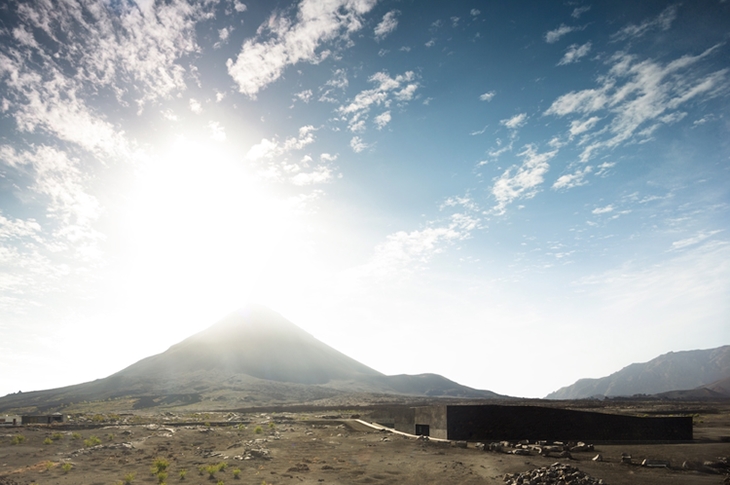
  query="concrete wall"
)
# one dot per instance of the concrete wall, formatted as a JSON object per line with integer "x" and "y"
{"x": 495, "y": 423}
{"x": 434, "y": 417}
{"x": 399, "y": 418}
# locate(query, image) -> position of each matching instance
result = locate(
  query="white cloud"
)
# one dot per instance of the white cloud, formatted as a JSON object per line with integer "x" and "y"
{"x": 515, "y": 122}
{"x": 217, "y": 132}
{"x": 487, "y": 96}
{"x": 634, "y": 97}
{"x": 603, "y": 210}
{"x": 239, "y": 6}
{"x": 195, "y": 106}
{"x": 663, "y": 21}
{"x": 387, "y": 25}
{"x": 430, "y": 43}
{"x": 574, "y": 53}
{"x": 521, "y": 182}
{"x": 400, "y": 88}
{"x": 320, "y": 175}
{"x": 262, "y": 60}
{"x": 474, "y": 12}
{"x": 575, "y": 179}
{"x": 269, "y": 149}
{"x": 382, "y": 119}
{"x": 305, "y": 96}
{"x": 691, "y": 241}
{"x": 357, "y": 144}
{"x": 578, "y": 11}
{"x": 553, "y": 36}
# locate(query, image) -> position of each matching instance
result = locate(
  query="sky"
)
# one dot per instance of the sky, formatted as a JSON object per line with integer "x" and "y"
{"x": 514, "y": 195}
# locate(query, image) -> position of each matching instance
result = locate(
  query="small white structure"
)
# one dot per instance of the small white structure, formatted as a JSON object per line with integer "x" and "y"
{"x": 11, "y": 420}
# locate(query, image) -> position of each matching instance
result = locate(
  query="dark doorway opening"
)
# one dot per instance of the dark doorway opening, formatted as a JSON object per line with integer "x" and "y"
{"x": 422, "y": 430}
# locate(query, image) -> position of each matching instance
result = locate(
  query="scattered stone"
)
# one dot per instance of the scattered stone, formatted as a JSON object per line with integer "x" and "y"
{"x": 626, "y": 458}
{"x": 598, "y": 457}
{"x": 299, "y": 467}
{"x": 557, "y": 473}
{"x": 655, "y": 463}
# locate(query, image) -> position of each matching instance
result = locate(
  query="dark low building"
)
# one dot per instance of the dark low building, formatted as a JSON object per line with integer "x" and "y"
{"x": 497, "y": 422}
{"x": 43, "y": 419}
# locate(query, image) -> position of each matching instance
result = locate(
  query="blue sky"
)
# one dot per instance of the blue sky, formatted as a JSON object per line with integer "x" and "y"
{"x": 514, "y": 196}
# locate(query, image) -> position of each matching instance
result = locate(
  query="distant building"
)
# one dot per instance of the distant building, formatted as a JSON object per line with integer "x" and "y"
{"x": 10, "y": 420}
{"x": 43, "y": 419}
{"x": 498, "y": 422}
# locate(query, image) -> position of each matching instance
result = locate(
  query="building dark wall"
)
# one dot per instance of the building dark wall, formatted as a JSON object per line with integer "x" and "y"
{"x": 495, "y": 423}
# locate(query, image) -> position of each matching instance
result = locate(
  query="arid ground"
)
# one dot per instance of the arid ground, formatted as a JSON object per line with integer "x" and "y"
{"x": 322, "y": 447}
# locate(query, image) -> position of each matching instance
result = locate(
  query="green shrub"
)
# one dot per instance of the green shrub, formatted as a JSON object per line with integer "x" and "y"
{"x": 17, "y": 439}
{"x": 66, "y": 467}
{"x": 161, "y": 477}
{"x": 272, "y": 425}
{"x": 220, "y": 482}
{"x": 47, "y": 441}
{"x": 236, "y": 473}
{"x": 183, "y": 472}
{"x": 211, "y": 469}
{"x": 129, "y": 478}
{"x": 92, "y": 441}
{"x": 110, "y": 436}
{"x": 49, "y": 465}
{"x": 75, "y": 436}
{"x": 201, "y": 469}
{"x": 57, "y": 436}
{"x": 160, "y": 465}
{"x": 222, "y": 466}
{"x": 258, "y": 430}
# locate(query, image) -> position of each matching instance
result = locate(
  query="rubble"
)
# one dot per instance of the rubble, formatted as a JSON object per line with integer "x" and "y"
{"x": 557, "y": 473}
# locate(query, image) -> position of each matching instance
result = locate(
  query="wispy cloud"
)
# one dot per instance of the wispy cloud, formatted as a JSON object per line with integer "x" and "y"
{"x": 578, "y": 11}
{"x": 553, "y": 36}
{"x": 603, "y": 210}
{"x": 398, "y": 89}
{"x": 663, "y": 21}
{"x": 696, "y": 239}
{"x": 515, "y": 122}
{"x": 571, "y": 180}
{"x": 487, "y": 96}
{"x": 283, "y": 42}
{"x": 387, "y": 25}
{"x": 574, "y": 53}
{"x": 635, "y": 97}
{"x": 521, "y": 182}
{"x": 357, "y": 144}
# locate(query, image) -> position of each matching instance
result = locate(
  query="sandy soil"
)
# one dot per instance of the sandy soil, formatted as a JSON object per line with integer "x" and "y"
{"x": 293, "y": 448}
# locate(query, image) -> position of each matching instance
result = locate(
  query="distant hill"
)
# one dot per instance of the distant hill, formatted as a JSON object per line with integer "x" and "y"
{"x": 253, "y": 357}
{"x": 675, "y": 371}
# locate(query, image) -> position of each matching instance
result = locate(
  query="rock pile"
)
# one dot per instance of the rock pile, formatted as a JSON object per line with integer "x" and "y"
{"x": 556, "y": 474}
{"x": 544, "y": 448}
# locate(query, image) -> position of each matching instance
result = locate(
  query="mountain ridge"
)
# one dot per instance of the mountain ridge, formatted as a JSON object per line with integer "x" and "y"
{"x": 673, "y": 371}
{"x": 253, "y": 356}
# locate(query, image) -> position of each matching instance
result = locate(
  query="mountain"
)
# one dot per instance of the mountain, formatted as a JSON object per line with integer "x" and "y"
{"x": 253, "y": 357}
{"x": 669, "y": 372}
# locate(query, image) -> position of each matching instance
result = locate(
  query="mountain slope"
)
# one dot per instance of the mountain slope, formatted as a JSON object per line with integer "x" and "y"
{"x": 668, "y": 372}
{"x": 253, "y": 356}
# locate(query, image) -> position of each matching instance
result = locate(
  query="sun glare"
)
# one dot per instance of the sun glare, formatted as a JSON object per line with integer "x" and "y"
{"x": 200, "y": 229}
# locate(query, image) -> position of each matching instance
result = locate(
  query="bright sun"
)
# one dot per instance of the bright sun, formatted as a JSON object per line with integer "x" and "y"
{"x": 201, "y": 230}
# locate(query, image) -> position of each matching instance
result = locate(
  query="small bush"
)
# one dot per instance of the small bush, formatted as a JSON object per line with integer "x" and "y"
{"x": 272, "y": 425}
{"x": 17, "y": 439}
{"x": 211, "y": 469}
{"x": 258, "y": 430}
{"x": 220, "y": 482}
{"x": 49, "y": 465}
{"x": 66, "y": 467}
{"x": 222, "y": 466}
{"x": 57, "y": 436}
{"x": 160, "y": 465}
{"x": 92, "y": 441}
{"x": 236, "y": 473}
{"x": 161, "y": 477}
{"x": 47, "y": 441}
{"x": 110, "y": 437}
{"x": 201, "y": 469}
{"x": 129, "y": 478}
{"x": 183, "y": 472}
{"x": 75, "y": 436}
